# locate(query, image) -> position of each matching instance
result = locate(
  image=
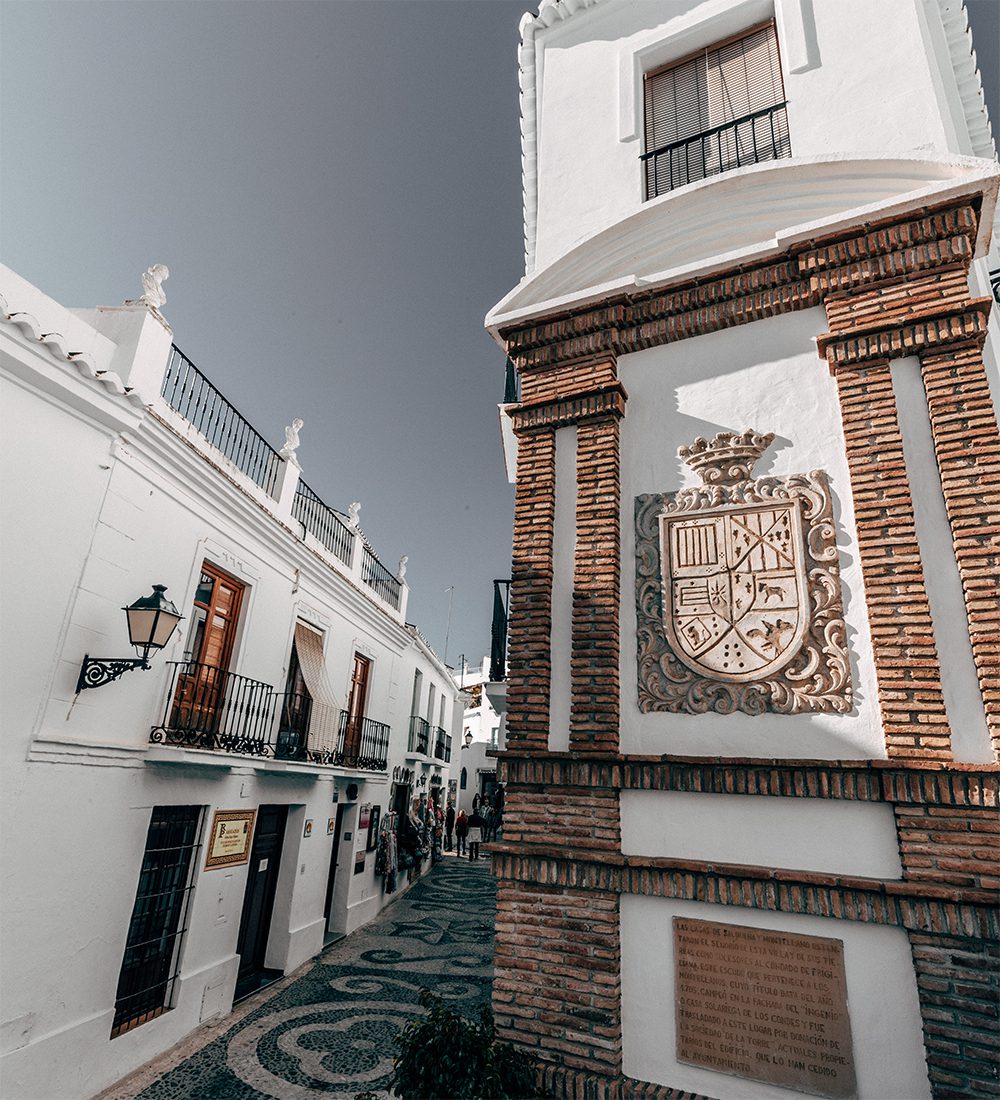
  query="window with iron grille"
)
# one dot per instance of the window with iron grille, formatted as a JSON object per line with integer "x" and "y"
{"x": 159, "y": 917}
{"x": 720, "y": 109}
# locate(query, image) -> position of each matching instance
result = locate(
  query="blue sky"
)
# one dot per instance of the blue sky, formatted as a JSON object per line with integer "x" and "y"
{"x": 335, "y": 187}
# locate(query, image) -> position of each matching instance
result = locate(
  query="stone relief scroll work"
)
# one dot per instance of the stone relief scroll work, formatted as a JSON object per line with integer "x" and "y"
{"x": 738, "y": 589}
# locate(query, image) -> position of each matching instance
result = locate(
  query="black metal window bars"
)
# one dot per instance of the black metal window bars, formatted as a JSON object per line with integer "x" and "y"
{"x": 151, "y": 961}
{"x": 189, "y": 392}
{"x": 420, "y": 735}
{"x": 498, "y": 631}
{"x": 210, "y": 708}
{"x": 750, "y": 139}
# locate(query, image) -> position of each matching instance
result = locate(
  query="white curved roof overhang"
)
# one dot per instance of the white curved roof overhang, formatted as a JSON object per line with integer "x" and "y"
{"x": 961, "y": 56}
{"x": 741, "y": 218}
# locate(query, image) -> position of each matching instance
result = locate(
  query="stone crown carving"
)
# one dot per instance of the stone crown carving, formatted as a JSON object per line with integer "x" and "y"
{"x": 727, "y": 459}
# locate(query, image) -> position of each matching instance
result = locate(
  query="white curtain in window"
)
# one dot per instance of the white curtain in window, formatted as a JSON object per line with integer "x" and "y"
{"x": 325, "y": 713}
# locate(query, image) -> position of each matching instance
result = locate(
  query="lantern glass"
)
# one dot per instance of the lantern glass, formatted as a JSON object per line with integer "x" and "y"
{"x": 151, "y": 621}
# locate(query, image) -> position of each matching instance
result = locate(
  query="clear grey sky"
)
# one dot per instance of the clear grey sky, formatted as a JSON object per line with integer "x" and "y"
{"x": 335, "y": 187}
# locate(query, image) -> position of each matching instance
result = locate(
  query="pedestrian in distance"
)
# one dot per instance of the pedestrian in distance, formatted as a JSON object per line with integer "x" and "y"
{"x": 461, "y": 831}
{"x": 449, "y": 826}
{"x": 476, "y": 825}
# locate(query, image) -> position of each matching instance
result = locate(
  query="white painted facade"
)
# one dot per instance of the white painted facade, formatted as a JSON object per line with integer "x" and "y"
{"x": 885, "y": 116}
{"x": 485, "y": 727}
{"x": 107, "y": 490}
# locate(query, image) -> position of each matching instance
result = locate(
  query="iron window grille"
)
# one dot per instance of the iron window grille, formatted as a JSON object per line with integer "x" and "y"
{"x": 718, "y": 110}
{"x": 151, "y": 961}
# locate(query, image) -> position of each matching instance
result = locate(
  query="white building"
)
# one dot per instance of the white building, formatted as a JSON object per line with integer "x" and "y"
{"x": 753, "y": 617}
{"x": 474, "y": 767}
{"x": 176, "y": 834}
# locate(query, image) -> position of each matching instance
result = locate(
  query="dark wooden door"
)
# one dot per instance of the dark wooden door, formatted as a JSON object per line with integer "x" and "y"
{"x": 356, "y": 708}
{"x": 334, "y": 859}
{"x": 258, "y": 901}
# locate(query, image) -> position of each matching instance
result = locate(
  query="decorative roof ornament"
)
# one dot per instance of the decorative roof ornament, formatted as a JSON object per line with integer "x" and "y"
{"x": 401, "y": 572}
{"x": 727, "y": 459}
{"x": 291, "y": 441}
{"x": 353, "y": 512}
{"x": 153, "y": 295}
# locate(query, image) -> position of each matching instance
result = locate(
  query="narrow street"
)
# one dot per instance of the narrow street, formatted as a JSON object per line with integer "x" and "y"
{"x": 329, "y": 1029}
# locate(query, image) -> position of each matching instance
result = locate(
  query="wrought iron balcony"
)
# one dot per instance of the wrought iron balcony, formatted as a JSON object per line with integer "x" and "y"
{"x": 321, "y": 520}
{"x": 442, "y": 745}
{"x": 363, "y": 744}
{"x": 209, "y": 708}
{"x": 420, "y": 735}
{"x": 511, "y": 387}
{"x": 190, "y": 393}
{"x": 498, "y": 632}
{"x": 378, "y": 578}
{"x": 760, "y": 136}
{"x": 292, "y": 741}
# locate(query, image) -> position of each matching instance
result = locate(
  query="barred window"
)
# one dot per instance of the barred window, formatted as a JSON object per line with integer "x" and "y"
{"x": 717, "y": 110}
{"x": 159, "y": 917}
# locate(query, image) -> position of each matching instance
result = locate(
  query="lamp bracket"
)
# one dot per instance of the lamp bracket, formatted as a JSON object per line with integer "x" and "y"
{"x": 95, "y": 672}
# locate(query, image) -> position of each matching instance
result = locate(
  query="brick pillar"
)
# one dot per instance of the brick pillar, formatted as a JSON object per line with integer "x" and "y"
{"x": 967, "y": 446}
{"x": 906, "y": 660}
{"x": 529, "y": 638}
{"x": 596, "y": 588}
{"x": 557, "y": 987}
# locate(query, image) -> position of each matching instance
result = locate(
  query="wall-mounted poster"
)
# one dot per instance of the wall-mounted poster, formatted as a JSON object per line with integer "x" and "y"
{"x": 359, "y": 861}
{"x": 373, "y": 828}
{"x": 229, "y": 840}
{"x": 331, "y": 824}
{"x": 308, "y": 830}
{"x": 366, "y": 816}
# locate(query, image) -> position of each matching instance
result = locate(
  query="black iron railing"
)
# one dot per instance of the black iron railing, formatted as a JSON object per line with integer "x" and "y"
{"x": 442, "y": 745}
{"x": 378, "y": 578}
{"x": 420, "y": 735}
{"x": 498, "y": 632}
{"x": 363, "y": 744}
{"x": 292, "y": 739}
{"x": 209, "y": 708}
{"x": 321, "y": 520}
{"x": 510, "y": 388}
{"x": 190, "y": 393}
{"x": 995, "y": 284}
{"x": 750, "y": 139}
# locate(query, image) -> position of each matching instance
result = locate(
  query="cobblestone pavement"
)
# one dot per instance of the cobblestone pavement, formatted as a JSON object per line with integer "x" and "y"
{"x": 329, "y": 1030}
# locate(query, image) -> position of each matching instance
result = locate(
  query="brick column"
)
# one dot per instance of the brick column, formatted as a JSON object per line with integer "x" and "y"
{"x": 595, "y": 701}
{"x": 906, "y": 660}
{"x": 529, "y": 640}
{"x": 967, "y": 446}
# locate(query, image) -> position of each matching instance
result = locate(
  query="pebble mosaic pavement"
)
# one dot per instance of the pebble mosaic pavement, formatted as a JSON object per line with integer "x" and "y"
{"x": 329, "y": 1030}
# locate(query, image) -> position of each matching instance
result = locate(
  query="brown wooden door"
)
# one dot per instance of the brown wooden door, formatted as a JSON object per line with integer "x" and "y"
{"x": 214, "y": 618}
{"x": 356, "y": 707}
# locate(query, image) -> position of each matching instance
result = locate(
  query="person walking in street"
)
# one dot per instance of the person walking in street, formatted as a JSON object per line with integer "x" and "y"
{"x": 499, "y": 799}
{"x": 461, "y": 831}
{"x": 449, "y": 826}
{"x": 476, "y": 826}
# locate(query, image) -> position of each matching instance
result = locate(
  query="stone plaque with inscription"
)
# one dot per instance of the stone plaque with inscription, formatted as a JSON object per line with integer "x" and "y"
{"x": 764, "y": 1004}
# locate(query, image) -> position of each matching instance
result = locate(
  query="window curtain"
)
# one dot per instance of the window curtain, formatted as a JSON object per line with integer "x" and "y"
{"x": 325, "y": 709}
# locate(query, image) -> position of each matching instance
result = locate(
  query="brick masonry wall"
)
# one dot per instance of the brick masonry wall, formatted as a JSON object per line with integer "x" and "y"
{"x": 957, "y": 845}
{"x": 959, "y": 984}
{"x": 967, "y": 446}
{"x": 906, "y": 662}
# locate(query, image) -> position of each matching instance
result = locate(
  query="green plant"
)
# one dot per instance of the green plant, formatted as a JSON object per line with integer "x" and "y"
{"x": 443, "y": 1056}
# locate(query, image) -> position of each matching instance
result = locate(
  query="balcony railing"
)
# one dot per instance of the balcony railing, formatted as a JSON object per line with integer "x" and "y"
{"x": 363, "y": 744}
{"x": 321, "y": 520}
{"x": 750, "y": 139}
{"x": 420, "y": 735}
{"x": 995, "y": 285}
{"x": 511, "y": 388}
{"x": 190, "y": 393}
{"x": 442, "y": 745}
{"x": 498, "y": 632}
{"x": 209, "y": 708}
{"x": 379, "y": 579}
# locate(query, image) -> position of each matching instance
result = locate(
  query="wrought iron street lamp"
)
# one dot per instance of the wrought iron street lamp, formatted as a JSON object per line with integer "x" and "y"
{"x": 151, "y": 622}
{"x": 468, "y": 738}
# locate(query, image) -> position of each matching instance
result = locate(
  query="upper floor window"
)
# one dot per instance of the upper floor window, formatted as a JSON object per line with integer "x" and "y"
{"x": 720, "y": 109}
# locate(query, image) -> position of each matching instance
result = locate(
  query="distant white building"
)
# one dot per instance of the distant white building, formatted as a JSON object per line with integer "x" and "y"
{"x": 179, "y": 834}
{"x": 473, "y": 765}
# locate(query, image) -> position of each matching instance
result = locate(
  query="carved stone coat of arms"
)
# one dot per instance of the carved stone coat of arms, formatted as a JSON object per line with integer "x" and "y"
{"x": 738, "y": 589}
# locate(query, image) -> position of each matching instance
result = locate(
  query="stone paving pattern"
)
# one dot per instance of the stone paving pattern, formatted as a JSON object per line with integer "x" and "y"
{"x": 330, "y": 1032}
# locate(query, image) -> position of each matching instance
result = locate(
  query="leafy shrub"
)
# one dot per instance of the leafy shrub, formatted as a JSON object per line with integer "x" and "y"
{"x": 443, "y": 1056}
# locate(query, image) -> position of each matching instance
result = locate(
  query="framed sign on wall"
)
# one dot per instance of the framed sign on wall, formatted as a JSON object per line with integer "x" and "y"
{"x": 373, "y": 827}
{"x": 229, "y": 839}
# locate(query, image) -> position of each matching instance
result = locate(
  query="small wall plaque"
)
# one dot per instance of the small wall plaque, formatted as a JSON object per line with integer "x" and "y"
{"x": 308, "y": 829}
{"x": 331, "y": 824}
{"x": 229, "y": 839}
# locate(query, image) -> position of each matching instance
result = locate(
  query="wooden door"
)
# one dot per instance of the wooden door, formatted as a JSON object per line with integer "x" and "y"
{"x": 258, "y": 901}
{"x": 356, "y": 702}
{"x": 201, "y": 686}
